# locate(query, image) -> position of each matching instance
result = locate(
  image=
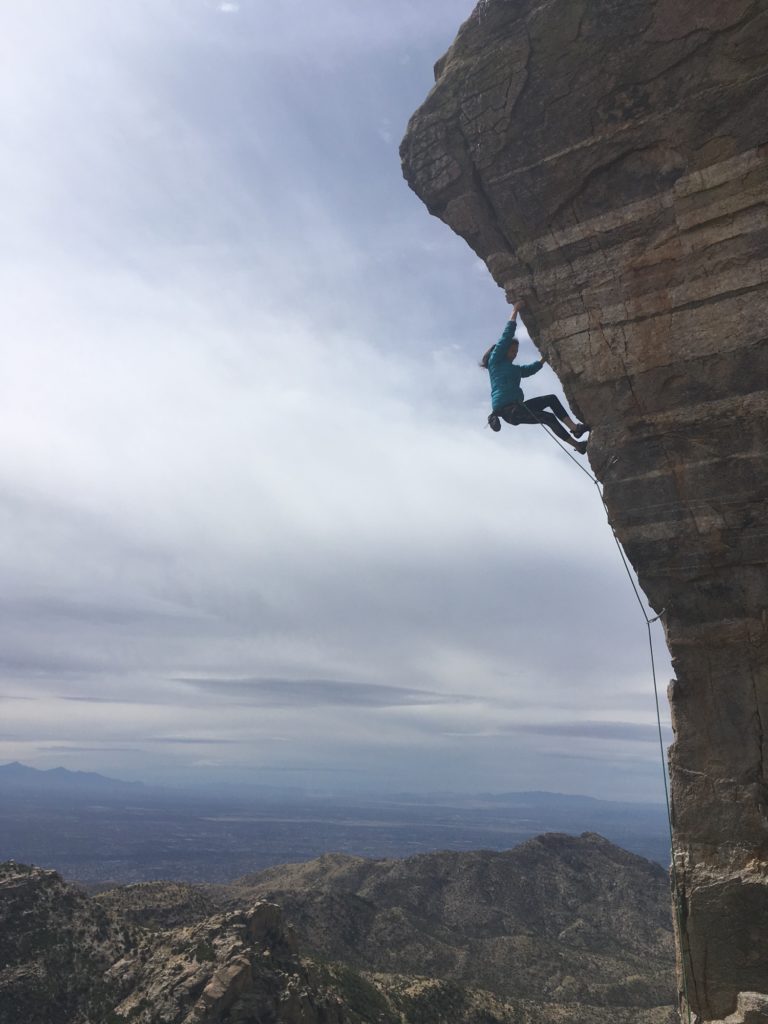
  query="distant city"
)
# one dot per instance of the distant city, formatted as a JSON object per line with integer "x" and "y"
{"x": 101, "y": 831}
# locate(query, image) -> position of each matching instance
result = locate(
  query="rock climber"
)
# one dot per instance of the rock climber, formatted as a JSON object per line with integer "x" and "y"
{"x": 507, "y": 400}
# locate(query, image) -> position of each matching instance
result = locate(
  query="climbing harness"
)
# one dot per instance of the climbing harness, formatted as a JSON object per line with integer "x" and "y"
{"x": 648, "y": 623}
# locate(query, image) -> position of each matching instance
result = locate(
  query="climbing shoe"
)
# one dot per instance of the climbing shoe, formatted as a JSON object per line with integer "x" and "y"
{"x": 494, "y": 423}
{"x": 581, "y": 447}
{"x": 581, "y": 428}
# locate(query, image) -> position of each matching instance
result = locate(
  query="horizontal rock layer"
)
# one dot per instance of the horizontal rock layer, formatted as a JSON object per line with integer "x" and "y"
{"x": 607, "y": 159}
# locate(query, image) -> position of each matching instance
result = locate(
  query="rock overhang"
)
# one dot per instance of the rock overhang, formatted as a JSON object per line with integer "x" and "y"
{"x": 609, "y": 162}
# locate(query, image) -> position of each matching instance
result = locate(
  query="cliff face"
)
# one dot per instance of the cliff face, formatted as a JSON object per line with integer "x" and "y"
{"x": 608, "y": 161}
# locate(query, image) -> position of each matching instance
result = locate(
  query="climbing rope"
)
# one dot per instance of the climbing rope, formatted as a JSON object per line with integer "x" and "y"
{"x": 597, "y": 323}
{"x": 648, "y": 623}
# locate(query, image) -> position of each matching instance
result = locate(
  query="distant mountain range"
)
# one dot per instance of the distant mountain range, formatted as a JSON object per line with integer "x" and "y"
{"x": 101, "y": 831}
{"x": 15, "y": 775}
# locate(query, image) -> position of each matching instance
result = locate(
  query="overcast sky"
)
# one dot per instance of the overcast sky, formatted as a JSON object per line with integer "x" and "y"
{"x": 252, "y": 525}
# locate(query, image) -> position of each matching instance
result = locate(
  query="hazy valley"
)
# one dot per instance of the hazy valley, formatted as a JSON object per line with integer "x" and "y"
{"x": 100, "y": 831}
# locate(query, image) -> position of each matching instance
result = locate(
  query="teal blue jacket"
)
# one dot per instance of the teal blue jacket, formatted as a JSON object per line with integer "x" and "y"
{"x": 505, "y": 375}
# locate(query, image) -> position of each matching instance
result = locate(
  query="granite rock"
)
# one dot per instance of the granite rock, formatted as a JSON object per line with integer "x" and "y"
{"x": 66, "y": 958}
{"x": 608, "y": 160}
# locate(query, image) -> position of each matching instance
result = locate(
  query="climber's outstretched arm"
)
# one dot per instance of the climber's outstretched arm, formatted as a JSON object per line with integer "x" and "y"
{"x": 542, "y": 359}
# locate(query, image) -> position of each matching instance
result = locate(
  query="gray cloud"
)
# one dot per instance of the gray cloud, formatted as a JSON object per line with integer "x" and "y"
{"x": 313, "y": 693}
{"x": 103, "y": 700}
{"x": 64, "y": 748}
{"x": 244, "y": 421}
{"x": 218, "y": 741}
{"x": 631, "y": 732}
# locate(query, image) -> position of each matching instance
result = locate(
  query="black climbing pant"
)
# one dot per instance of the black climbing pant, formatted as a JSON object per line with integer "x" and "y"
{"x": 535, "y": 411}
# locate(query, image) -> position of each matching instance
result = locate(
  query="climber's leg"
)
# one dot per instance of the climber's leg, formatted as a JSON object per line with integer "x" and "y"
{"x": 534, "y": 411}
{"x": 538, "y": 405}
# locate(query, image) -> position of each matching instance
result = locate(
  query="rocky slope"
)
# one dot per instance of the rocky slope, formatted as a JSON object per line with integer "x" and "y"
{"x": 158, "y": 905}
{"x": 240, "y": 966}
{"x": 560, "y": 929}
{"x": 69, "y": 959}
{"x": 608, "y": 161}
{"x": 55, "y": 945}
{"x": 556, "y": 921}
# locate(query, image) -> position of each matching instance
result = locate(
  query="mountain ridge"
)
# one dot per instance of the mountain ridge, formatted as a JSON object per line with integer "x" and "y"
{"x": 15, "y": 773}
{"x": 486, "y": 915}
{"x": 452, "y": 937}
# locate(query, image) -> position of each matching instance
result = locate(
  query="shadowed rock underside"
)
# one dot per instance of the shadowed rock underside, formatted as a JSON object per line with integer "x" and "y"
{"x": 607, "y": 159}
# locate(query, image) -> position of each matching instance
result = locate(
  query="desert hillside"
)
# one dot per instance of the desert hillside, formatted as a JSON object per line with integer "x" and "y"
{"x": 567, "y": 929}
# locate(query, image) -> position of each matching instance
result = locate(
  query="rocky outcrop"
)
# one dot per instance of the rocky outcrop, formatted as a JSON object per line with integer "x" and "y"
{"x": 68, "y": 959}
{"x": 241, "y": 966}
{"x": 608, "y": 161}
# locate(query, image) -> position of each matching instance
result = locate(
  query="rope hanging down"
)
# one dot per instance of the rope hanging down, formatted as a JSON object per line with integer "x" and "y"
{"x": 648, "y": 623}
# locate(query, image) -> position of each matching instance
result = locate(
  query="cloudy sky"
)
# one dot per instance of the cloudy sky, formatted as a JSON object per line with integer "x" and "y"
{"x": 251, "y": 524}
